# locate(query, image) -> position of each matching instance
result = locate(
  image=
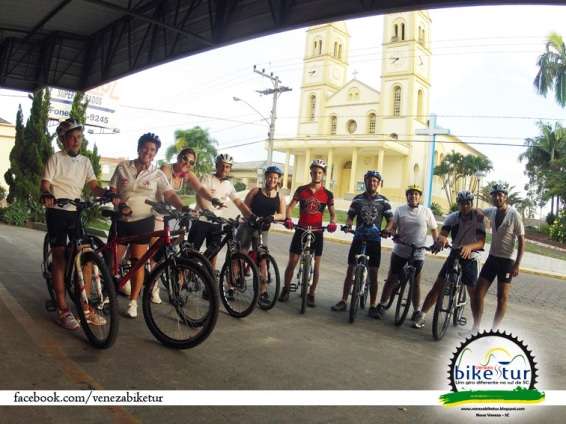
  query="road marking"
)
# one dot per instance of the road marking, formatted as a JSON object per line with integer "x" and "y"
{"x": 49, "y": 345}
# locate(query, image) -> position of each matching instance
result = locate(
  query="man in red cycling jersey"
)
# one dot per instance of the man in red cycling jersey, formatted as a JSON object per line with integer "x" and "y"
{"x": 313, "y": 198}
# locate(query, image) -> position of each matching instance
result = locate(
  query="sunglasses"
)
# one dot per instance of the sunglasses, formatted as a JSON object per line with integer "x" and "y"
{"x": 186, "y": 159}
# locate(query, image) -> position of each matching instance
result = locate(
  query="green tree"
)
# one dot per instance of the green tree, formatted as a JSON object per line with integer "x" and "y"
{"x": 551, "y": 75}
{"x": 14, "y": 173}
{"x": 200, "y": 141}
{"x": 78, "y": 112}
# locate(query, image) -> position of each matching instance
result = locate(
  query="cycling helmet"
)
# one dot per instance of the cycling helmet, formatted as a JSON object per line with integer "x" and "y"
{"x": 371, "y": 174}
{"x": 318, "y": 163}
{"x": 154, "y": 138}
{"x": 414, "y": 187}
{"x": 66, "y": 126}
{"x": 465, "y": 196}
{"x": 498, "y": 188}
{"x": 273, "y": 169}
{"x": 226, "y": 158}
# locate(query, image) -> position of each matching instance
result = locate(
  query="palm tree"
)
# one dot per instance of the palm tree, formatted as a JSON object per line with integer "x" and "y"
{"x": 200, "y": 141}
{"x": 472, "y": 166}
{"x": 552, "y": 69}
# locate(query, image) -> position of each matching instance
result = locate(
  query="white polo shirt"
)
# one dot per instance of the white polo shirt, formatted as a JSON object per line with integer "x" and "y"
{"x": 135, "y": 189}
{"x": 503, "y": 238}
{"x": 68, "y": 176}
{"x": 221, "y": 189}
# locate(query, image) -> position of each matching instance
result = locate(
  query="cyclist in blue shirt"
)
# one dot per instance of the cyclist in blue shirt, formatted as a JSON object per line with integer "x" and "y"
{"x": 369, "y": 209}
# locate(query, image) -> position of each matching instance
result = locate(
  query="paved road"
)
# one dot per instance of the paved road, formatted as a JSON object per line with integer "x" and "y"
{"x": 275, "y": 350}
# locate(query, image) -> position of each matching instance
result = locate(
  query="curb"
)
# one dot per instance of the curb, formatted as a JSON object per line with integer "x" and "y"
{"x": 387, "y": 248}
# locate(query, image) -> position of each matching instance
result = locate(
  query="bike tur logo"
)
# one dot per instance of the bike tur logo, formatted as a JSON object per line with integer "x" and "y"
{"x": 492, "y": 367}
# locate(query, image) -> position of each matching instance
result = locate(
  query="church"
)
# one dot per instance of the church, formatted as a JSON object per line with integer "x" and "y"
{"x": 355, "y": 127}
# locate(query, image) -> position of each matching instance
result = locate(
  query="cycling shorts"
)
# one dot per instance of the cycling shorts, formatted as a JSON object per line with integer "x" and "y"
{"x": 316, "y": 245}
{"x": 398, "y": 262}
{"x": 373, "y": 250}
{"x": 500, "y": 267}
{"x": 60, "y": 226}
{"x": 469, "y": 269}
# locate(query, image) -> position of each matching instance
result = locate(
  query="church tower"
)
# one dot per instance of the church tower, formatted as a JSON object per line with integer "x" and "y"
{"x": 324, "y": 73}
{"x": 405, "y": 81}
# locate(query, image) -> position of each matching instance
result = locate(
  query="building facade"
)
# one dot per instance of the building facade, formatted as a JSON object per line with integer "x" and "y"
{"x": 355, "y": 127}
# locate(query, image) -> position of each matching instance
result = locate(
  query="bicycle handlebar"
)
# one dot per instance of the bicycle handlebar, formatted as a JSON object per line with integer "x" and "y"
{"x": 397, "y": 239}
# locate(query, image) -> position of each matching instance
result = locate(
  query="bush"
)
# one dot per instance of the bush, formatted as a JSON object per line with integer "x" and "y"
{"x": 557, "y": 230}
{"x": 436, "y": 209}
{"x": 453, "y": 207}
{"x": 544, "y": 228}
{"x": 2, "y": 193}
{"x": 239, "y": 186}
{"x": 550, "y": 218}
{"x": 16, "y": 214}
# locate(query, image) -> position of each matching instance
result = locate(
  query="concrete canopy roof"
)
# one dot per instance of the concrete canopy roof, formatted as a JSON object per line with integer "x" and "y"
{"x": 80, "y": 44}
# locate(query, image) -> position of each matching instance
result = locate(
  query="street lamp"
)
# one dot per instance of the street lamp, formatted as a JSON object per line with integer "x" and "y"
{"x": 270, "y": 133}
{"x": 479, "y": 175}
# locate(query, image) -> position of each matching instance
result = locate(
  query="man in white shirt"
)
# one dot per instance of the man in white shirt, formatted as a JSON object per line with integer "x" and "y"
{"x": 65, "y": 175}
{"x": 222, "y": 189}
{"x": 506, "y": 225}
{"x": 411, "y": 223}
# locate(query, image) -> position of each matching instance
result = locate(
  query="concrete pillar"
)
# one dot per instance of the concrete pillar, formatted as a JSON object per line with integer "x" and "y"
{"x": 286, "y": 169}
{"x": 306, "y": 168}
{"x": 353, "y": 171}
{"x": 380, "y": 156}
{"x": 329, "y": 164}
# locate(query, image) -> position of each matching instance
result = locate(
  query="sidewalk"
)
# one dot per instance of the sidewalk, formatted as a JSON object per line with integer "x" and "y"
{"x": 531, "y": 263}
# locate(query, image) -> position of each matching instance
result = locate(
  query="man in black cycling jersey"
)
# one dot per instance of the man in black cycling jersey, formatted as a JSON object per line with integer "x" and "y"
{"x": 467, "y": 230}
{"x": 369, "y": 209}
{"x": 264, "y": 202}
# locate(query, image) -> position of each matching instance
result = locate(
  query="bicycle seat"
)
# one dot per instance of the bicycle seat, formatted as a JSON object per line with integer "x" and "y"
{"x": 109, "y": 213}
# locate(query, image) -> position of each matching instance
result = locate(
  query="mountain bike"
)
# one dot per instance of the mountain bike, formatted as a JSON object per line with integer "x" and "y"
{"x": 360, "y": 288}
{"x": 87, "y": 279}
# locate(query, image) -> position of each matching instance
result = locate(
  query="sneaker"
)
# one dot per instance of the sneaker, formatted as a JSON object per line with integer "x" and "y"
{"x": 264, "y": 300}
{"x": 339, "y": 307}
{"x": 126, "y": 289}
{"x": 310, "y": 300}
{"x": 155, "y": 298}
{"x": 132, "y": 309}
{"x": 67, "y": 320}
{"x": 92, "y": 317}
{"x": 284, "y": 296}
{"x": 419, "y": 321}
{"x": 376, "y": 312}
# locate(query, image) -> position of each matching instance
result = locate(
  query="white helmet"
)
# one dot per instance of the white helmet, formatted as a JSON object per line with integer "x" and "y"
{"x": 226, "y": 158}
{"x": 318, "y": 163}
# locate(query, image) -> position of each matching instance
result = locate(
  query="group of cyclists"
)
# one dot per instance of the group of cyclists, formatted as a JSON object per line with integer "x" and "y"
{"x": 67, "y": 172}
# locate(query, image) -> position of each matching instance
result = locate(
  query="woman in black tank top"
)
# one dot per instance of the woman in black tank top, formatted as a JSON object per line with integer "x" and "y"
{"x": 263, "y": 205}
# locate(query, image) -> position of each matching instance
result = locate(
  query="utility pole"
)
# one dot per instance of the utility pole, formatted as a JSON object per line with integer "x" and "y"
{"x": 275, "y": 91}
{"x": 432, "y": 130}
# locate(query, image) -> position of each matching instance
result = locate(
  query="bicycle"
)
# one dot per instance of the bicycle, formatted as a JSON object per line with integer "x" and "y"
{"x": 360, "y": 288}
{"x": 185, "y": 318}
{"x": 237, "y": 296}
{"x": 95, "y": 300}
{"x": 406, "y": 280}
{"x": 455, "y": 296}
{"x": 260, "y": 255}
{"x": 306, "y": 265}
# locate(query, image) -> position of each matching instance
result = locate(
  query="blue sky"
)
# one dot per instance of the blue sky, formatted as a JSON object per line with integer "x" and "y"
{"x": 484, "y": 61}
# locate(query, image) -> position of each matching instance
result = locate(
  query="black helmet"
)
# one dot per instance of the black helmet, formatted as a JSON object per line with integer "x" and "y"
{"x": 154, "y": 138}
{"x": 371, "y": 174}
{"x": 273, "y": 169}
{"x": 498, "y": 188}
{"x": 465, "y": 196}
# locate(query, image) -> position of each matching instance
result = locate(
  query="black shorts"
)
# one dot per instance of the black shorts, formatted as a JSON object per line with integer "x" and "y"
{"x": 60, "y": 225}
{"x": 397, "y": 264}
{"x": 373, "y": 250}
{"x": 500, "y": 267}
{"x": 469, "y": 269}
{"x": 137, "y": 228}
{"x": 201, "y": 231}
{"x": 317, "y": 244}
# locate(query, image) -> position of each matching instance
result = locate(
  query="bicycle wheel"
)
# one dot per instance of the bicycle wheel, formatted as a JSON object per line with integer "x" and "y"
{"x": 273, "y": 281}
{"x": 443, "y": 310}
{"x": 99, "y": 316}
{"x": 47, "y": 268}
{"x": 404, "y": 299}
{"x": 364, "y": 296}
{"x": 238, "y": 293}
{"x": 355, "y": 299}
{"x": 394, "y": 292}
{"x": 459, "y": 310}
{"x": 185, "y": 317}
{"x": 200, "y": 259}
{"x": 305, "y": 277}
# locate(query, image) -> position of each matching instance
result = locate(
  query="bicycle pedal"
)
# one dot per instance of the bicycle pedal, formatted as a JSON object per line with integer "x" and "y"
{"x": 462, "y": 321}
{"x": 293, "y": 287}
{"x": 50, "y": 306}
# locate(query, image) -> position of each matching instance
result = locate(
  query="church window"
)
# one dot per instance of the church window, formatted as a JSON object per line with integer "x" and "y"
{"x": 340, "y": 51}
{"x": 395, "y": 33}
{"x": 397, "y": 101}
{"x": 371, "y": 123}
{"x": 333, "y": 122}
{"x": 351, "y": 126}
{"x": 319, "y": 47}
{"x": 312, "y": 107}
{"x": 335, "y": 49}
{"x": 420, "y": 112}
{"x": 402, "y": 31}
{"x": 314, "y": 49}
{"x": 353, "y": 94}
